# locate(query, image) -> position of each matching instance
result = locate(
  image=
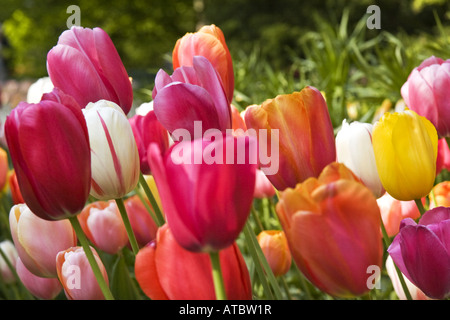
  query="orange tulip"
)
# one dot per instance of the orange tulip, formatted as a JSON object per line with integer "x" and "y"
{"x": 209, "y": 42}
{"x": 332, "y": 224}
{"x": 276, "y": 250}
{"x": 16, "y": 195}
{"x": 440, "y": 195}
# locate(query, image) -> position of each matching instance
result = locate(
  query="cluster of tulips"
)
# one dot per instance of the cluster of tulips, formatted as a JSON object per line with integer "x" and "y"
{"x": 174, "y": 184}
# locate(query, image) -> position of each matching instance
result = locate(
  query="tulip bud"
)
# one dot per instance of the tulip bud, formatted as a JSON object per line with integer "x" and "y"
{"x": 443, "y": 156}
{"x": 274, "y": 245}
{"x": 405, "y": 147}
{"x": 38, "y": 241}
{"x": 143, "y": 225}
{"x": 263, "y": 186}
{"x": 114, "y": 154}
{"x": 354, "y": 149}
{"x": 42, "y": 288}
{"x": 4, "y": 166}
{"x": 38, "y": 88}
{"x": 16, "y": 195}
{"x": 162, "y": 264}
{"x": 76, "y": 275}
{"x": 103, "y": 225}
{"x": 440, "y": 195}
{"x": 8, "y": 249}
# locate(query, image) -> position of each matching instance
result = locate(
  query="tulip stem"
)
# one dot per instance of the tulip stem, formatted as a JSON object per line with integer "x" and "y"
{"x": 217, "y": 276}
{"x": 90, "y": 256}
{"x": 126, "y": 222}
{"x": 159, "y": 217}
{"x": 149, "y": 210}
{"x": 420, "y": 206}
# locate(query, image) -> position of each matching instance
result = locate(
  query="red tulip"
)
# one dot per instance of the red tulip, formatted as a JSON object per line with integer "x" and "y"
{"x": 50, "y": 152}
{"x": 443, "y": 156}
{"x": 191, "y": 94}
{"x": 209, "y": 42}
{"x": 206, "y": 202}
{"x": 85, "y": 64}
{"x": 146, "y": 130}
{"x": 143, "y": 225}
{"x": 165, "y": 270}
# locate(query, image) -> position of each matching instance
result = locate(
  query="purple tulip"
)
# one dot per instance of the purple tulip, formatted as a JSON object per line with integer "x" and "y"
{"x": 50, "y": 152}
{"x": 422, "y": 252}
{"x": 426, "y": 92}
{"x": 191, "y": 94}
{"x": 86, "y": 65}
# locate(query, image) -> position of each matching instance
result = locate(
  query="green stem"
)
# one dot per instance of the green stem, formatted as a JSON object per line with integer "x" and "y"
{"x": 126, "y": 221}
{"x": 160, "y": 219}
{"x": 286, "y": 288}
{"x": 90, "y": 256}
{"x": 217, "y": 276}
{"x": 303, "y": 284}
{"x": 420, "y": 206}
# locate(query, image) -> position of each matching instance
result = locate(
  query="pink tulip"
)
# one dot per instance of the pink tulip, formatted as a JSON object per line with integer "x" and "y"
{"x": 443, "y": 156}
{"x": 38, "y": 241}
{"x": 422, "y": 252}
{"x": 8, "y": 249}
{"x": 143, "y": 225}
{"x": 207, "y": 202}
{"x": 85, "y": 64}
{"x": 263, "y": 186}
{"x": 146, "y": 130}
{"x": 426, "y": 92}
{"x": 42, "y": 288}
{"x": 191, "y": 94}
{"x": 50, "y": 152}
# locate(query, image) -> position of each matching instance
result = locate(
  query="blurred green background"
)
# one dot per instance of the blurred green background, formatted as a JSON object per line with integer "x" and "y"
{"x": 277, "y": 46}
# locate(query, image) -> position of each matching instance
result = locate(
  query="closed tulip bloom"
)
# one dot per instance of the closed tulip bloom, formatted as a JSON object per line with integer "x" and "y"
{"x": 443, "y": 156}
{"x": 422, "y": 253}
{"x": 95, "y": 68}
{"x": 208, "y": 42}
{"x": 8, "y": 249}
{"x": 166, "y": 271}
{"x": 42, "y": 288}
{"x": 306, "y": 136}
{"x": 16, "y": 195}
{"x": 38, "y": 241}
{"x": 354, "y": 149}
{"x": 114, "y": 154}
{"x": 202, "y": 217}
{"x": 333, "y": 229}
{"x": 393, "y": 211}
{"x": 263, "y": 186}
{"x": 103, "y": 225}
{"x": 38, "y": 88}
{"x": 405, "y": 147}
{"x": 426, "y": 92}
{"x": 440, "y": 195}
{"x": 76, "y": 275}
{"x": 191, "y": 94}
{"x": 4, "y": 168}
{"x": 142, "y": 223}
{"x": 276, "y": 250}
{"x": 146, "y": 130}
{"x": 50, "y": 152}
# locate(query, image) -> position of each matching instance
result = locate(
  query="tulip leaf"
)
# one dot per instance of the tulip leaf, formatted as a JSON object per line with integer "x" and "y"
{"x": 123, "y": 286}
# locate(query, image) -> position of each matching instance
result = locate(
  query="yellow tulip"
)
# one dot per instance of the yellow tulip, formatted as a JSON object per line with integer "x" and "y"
{"x": 405, "y": 147}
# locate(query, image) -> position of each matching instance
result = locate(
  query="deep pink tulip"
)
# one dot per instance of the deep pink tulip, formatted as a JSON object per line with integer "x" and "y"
{"x": 422, "y": 252}
{"x": 50, "y": 152}
{"x": 146, "y": 130}
{"x": 191, "y": 94}
{"x": 206, "y": 205}
{"x": 86, "y": 65}
{"x": 426, "y": 92}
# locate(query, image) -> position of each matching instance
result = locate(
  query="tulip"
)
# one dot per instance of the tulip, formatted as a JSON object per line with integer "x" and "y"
{"x": 16, "y": 195}
{"x": 143, "y": 225}
{"x": 95, "y": 68}
{"x": 42, "y": 288}
{"x": 59, "y": 96}
{"x": 332, "y": 224}
{"x": 191, "y": 94}
{"x": 416, "y": 293}
{"x": 202, "y": 217}
{"x": 146, "y": 130}
{"x": 443, "y": 156}
{"x": 440, "y": 195}
{"x": 354, "y": 149}
{"x": 4, "y": 166}
{"x": 7, "y": 248}
{"x": 76, "y": 275}
{"x": 426, "y": 92}
{"x": 50, "y": 152}
{"x": 102, "y": 224}
{"x": 114, "y": 154}
{"x": 38, "y": 88}
{"x": 306, "y": 136}
{"x": 405, "y": 147}
{"x": 422, "y": 253}
{"x": 208, "y": 42}
{"x": 165, "y": 270}
{"x": 274, "y": 245}
{"x": 263, "y": 186}
{"x": 38, "y": 241}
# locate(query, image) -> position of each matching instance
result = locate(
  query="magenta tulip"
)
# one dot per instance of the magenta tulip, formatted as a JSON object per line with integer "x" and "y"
{"x": 86, "y": 65}
{"x": 191, "y": 94}
{"x": 206, "y": 202}
{"x": 422, "y": 252}
{"x": 50, "y": 152}
{"x": 426, "y": 92}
